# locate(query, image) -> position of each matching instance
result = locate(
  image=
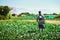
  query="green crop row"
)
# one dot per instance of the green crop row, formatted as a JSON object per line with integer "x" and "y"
{"x": 23, "y": 30}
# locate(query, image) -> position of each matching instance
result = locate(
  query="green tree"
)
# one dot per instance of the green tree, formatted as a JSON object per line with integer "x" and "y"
{"x": 57, "y": 16}
{"x": 13, "y": 14}
{"x": 4, "y": 10}
{"x": 54, "y": 14}
{"x": 26, "y": 13}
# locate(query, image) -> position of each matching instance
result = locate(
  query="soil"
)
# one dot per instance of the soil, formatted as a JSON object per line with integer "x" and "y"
{"x": 48, "y": 21}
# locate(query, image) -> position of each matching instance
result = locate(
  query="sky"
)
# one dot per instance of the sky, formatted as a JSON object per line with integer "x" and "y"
{"x": 33, "y": 6}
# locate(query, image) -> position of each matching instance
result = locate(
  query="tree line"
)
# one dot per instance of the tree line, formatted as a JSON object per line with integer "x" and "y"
{"x": 4, "y": 11}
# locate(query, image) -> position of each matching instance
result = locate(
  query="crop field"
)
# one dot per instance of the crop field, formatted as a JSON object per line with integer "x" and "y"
{"x": 25, "y": 30}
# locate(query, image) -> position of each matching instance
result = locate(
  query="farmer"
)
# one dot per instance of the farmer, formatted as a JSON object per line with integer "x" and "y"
{"x": 40, "y": 20}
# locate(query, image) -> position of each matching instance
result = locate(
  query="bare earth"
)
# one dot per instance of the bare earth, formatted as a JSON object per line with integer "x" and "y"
{"x": 53, "y": 21}
{"x": 48, "y": 21}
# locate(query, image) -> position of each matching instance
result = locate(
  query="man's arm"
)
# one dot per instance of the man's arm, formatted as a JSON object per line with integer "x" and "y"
{"x": 37, "y": 18}
{"x": 43, "y": 20}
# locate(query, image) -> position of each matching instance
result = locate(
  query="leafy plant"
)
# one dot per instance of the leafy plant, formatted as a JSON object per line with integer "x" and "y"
{"x": 24, "y": 30}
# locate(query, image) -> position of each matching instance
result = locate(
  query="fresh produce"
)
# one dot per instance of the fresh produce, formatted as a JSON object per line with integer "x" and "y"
{"x": 24, "y": 30}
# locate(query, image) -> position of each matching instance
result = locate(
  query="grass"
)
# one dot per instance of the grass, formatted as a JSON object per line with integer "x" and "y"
{"x": 24, "y": 30}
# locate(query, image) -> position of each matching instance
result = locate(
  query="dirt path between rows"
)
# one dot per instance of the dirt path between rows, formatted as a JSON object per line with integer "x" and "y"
{"x": 53, "y": 21}
{"x": 48, "y": 21}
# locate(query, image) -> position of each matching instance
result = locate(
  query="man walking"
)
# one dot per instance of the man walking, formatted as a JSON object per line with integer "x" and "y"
{"x": 41, "y": 21}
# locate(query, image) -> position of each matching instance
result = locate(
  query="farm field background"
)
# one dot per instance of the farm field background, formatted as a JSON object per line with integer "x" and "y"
{"x": 18, "y": 19}
{"x": 26, "y": 30}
